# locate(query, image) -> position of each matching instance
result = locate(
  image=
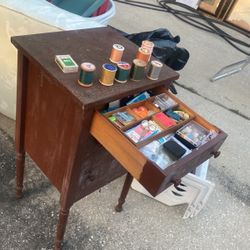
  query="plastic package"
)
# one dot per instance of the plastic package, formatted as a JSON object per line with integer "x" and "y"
{"x": 138, "y": 98}
{"x": 164, "y": 102}
{"x": 194, "y": 135}
{"x": 156, "y": 153}
{"x": 142, "y": 131}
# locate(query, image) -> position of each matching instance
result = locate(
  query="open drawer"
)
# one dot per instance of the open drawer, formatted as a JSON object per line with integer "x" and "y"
{"x": 130, "y": 154}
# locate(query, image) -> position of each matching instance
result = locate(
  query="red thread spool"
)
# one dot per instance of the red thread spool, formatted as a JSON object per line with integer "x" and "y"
{"x": 143, "y": 54}
{"x": 116, "y": 53}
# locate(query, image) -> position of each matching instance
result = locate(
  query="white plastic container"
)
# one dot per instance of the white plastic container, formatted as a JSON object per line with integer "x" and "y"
{"x": 105, "y": 17}
{"x": 28, "y": 17}
{"x": 194, "y": 192}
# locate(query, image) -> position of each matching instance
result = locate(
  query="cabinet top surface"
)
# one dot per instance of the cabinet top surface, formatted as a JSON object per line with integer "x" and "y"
{"x": 89, "y": 45}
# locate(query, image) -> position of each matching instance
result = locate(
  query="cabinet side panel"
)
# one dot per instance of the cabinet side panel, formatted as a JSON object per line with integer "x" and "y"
{"x": 49, "y": 131}
{"x": 96, "y": 168}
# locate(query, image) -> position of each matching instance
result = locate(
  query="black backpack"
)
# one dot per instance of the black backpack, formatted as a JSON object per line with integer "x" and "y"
{"x": 165, "y": 47}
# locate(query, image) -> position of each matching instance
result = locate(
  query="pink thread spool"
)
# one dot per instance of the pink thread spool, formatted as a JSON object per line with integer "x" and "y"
{"x": 149, "y": 46}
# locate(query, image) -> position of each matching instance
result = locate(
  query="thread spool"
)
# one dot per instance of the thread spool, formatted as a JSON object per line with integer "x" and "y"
{"x": 154, "y": 70}
{"x": 138, "y": 70}
{"x": 87, "y": 74}
{"x": 122, "y": 73}
{"x": 108, "y": 74}
{"x": 116, "y": 53}
{"x": 143, "y": 54}
{"x": 148, "y": 45}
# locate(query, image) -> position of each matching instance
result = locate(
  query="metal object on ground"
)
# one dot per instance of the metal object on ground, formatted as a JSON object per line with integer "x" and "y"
{"x": 231, "y": 69}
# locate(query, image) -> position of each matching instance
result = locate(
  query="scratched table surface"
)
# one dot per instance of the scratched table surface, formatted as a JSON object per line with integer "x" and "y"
{"x": 92, "y": 45}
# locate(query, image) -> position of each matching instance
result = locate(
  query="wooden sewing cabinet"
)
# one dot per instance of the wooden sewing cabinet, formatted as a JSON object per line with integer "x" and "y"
{"x": 58, "y": 123}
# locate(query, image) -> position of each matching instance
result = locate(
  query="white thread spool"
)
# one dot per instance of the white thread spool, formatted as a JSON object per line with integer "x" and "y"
{"x": 154, "y": 70}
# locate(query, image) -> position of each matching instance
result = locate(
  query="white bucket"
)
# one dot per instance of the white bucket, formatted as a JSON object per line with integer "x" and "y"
{"x": 105, "y": 17}
{"x": 27, "y": 17}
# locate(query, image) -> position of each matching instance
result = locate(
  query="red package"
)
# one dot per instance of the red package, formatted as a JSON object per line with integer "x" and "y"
{"x": 164, "y": 120}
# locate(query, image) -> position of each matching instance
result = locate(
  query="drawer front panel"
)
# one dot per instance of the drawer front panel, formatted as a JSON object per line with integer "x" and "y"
{"x": 118, "y": 146}
{"x": 191, "y": 161}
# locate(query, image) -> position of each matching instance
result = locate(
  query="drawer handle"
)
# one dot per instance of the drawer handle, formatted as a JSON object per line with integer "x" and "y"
{"x": 91, "y": 177}
{"x": 216, "y": 154}
{"x": 176, "y": 181}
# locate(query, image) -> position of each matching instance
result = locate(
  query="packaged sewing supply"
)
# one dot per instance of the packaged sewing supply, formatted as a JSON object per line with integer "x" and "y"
{"x": 66, "y": 63}
{"x": 142, "y": 131}
{"x": 193, "y": 135}
{"x": 164, "y": 102}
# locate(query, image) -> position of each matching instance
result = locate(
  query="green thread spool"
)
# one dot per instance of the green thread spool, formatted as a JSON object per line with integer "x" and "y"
{"x": 122, "y": 73}
{"x": 138, "y": 70}
{"x": 87, "y": 74}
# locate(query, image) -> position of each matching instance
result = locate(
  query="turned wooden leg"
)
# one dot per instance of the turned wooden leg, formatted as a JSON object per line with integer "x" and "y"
{"x": 22, "y": 72}
{"x": 125, "y": 189}
{"x": 61, "y": 226}
{"x": 20, "y": 160}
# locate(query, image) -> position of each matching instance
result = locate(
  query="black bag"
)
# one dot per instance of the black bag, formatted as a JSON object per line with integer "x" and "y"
{"x": 165, "y": 47}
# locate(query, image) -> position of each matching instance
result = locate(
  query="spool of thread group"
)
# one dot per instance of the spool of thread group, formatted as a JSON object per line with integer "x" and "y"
{"x": 154, "y": 70}
{"x": 87, "y": 74}
{"x": 138, "y": 70}
{"x": 122, "y": 73}
{"x": 116, "y": 53}
{"x": 108, "y": 74}
{"x": 143, "y": 54}
{"x": 148, "y": 45}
